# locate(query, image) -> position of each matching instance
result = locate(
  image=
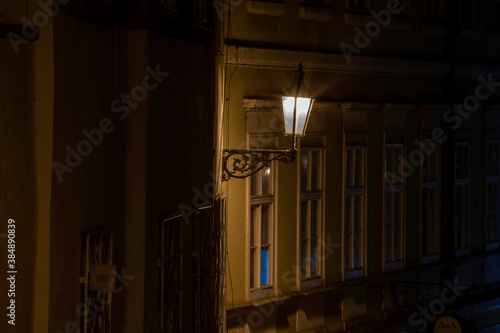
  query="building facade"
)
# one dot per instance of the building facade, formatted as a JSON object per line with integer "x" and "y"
{"x": 387, "y": 219}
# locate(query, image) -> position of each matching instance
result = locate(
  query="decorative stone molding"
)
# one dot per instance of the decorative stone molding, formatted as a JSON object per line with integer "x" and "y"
{"x": 434, "y": 28}
{"x": 314, "y": 13}
{"x": 469, "y": 32}
{"x": 265, "y": 8}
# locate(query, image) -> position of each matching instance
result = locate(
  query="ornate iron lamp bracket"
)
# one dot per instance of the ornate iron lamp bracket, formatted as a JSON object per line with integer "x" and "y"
{"x": 242, "y": 163}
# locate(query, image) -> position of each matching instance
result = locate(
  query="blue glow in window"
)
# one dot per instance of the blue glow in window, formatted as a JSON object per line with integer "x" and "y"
{"x": 264, "y": 267}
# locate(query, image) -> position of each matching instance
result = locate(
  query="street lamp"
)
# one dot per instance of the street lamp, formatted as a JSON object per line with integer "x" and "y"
{"x": 296, "y": 109}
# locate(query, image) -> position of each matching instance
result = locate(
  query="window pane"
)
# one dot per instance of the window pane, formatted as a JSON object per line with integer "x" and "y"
{"x": 433, "y": 164}
{"x": 389, "y": 163}
{"x": 170, "y": 4}
{"x": 425, "y": 221}
{"x": 388, "y": 227}
{"x": 264, "y": 229}
{"x": 254, "y": 181}
{"x": 314, "y": 218}
{"x": 397, "y": 228}
{"x": 264, "y": 266}
{"x": 303, "y": 258}
{"x": 458, "y": 217}
{"x": 252, "y": 268}
{"x": 494, "y": 212}
{"x": 465, "y": 216}
{"x": 304, "y": 170}
{"x": 465, "y": 162}
{"x": 487, "y": 224}
{"x": 266, "y": 180}
{"x": 397, "y": 155}
{"x": 359, "y": 167}
{"x": 315, "y": 170}
{"x": 358, "y": 224}
{"x": 458, "y": 163}
{"x": 348, "y": 168}
{"x": 252, "y": 226}
{"x": 348, "y": 233}
{"x": 488, "y": 158}
{"x": 432, "y": 221}
{"x": 314, "y": 257}
{"x": 303, "y": 220}
{"x": 494, "y": 159}
{"x": 200, "y": 9}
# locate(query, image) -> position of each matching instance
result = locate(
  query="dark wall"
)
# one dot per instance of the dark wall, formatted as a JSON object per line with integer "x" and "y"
{"x": 18, "y": 178}
{"x": 95, "y": 63}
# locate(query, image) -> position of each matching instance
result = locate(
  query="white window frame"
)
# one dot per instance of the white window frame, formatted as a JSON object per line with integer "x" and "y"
{"x": 429, "y": 184}
{"x": 489, "y": 179}
{"x": 461, "y": 181}
{"x": 309, "y": 195}
{"x": 257, "y": 201}
{"x": 394, "y": 188}
{"x": 350, "y": 193}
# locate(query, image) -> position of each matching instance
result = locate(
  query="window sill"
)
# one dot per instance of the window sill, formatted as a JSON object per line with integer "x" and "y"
{"x": 354, "y": 274}
{"x": 261, "y": 293}
{"x": 265, "y": 8}
{"x": 436, "y": 28}
{"x": 363, "y": 18}
{"x": 492, "y": 247}
{"x": 462, "y": 252}
{"x": 310, "y": 283}
{"x": 313, "y": 13}
{"x": 494, "y": 35}
{"x": 468, "y": 32}
{"x": 430, "y": 259}
{"x": 393, "y": 266}
{"x": 400, "y": 24}
{"x": 357, "y": 18}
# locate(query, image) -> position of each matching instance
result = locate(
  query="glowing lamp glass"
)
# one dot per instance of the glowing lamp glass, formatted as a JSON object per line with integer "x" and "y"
{"x": 288, "y": 108}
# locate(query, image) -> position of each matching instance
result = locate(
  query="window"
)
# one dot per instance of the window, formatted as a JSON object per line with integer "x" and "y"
{"x": 310, "y": 212}
{"x": 462, "y": 197}
{"x": 494, "y": 14}
{"x": 354, "y": 211}
{"x": 200, "y": 9}
{"x": 394, "y": 209}
{"x": 358, "y": 5}
{"x": 170, "y": 4}
{"x": 434, "y": 10}
{"x": 430, "y": 203}
{"x": 261, "y": 228}
{"x": 491, "y": 225}
{"x": 467, "y": 12}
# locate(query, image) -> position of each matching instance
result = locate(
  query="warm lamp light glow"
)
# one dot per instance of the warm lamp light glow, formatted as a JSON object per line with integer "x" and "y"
{"x": 297, "y": 106}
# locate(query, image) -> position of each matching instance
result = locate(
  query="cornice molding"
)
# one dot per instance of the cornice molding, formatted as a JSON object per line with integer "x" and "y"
{"x": 274, "y": 58}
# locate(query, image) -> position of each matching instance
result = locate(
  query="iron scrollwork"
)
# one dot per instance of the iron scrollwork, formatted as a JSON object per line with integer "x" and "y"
{"x": 241, "y": 163}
